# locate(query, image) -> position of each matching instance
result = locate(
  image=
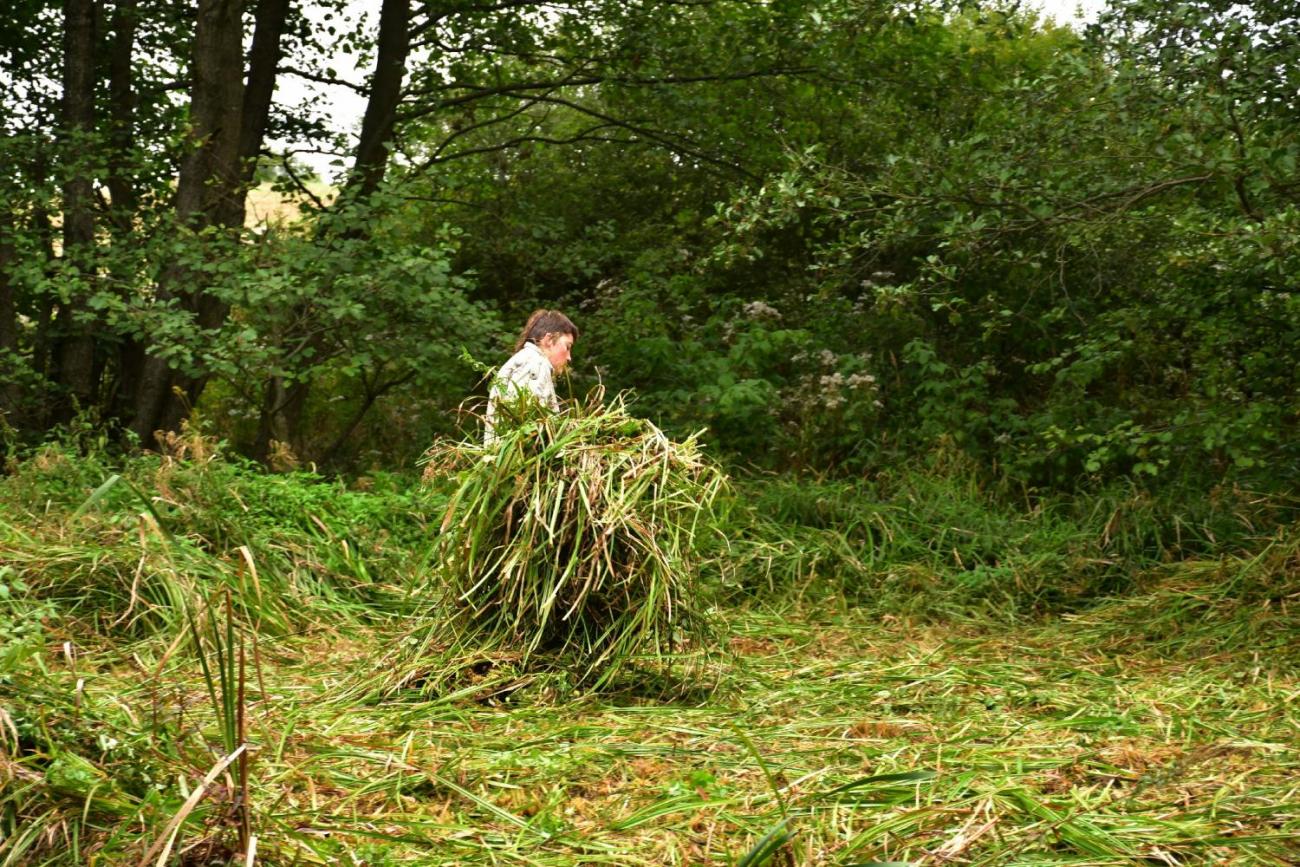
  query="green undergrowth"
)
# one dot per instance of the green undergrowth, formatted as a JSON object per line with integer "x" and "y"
{"x": 910, "y": 669}
{"x": 124, "y": 545}
{"x": 920, "y": 544}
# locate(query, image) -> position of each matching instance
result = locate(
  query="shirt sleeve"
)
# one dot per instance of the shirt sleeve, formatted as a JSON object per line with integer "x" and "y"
{"x": 542, "y": 382}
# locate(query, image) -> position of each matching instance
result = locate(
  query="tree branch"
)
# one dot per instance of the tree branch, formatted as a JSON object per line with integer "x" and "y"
{"x": 372, "y": 393}
{"x": 287, "y": 164}
{"x": 470, "y": 129}
{"x": 585, "y": 135}
{"x": 661, "y": 138}
{"x": 322, "y": 79}
{"x": 478, "y": 91}
{"x": 493, "y": 121}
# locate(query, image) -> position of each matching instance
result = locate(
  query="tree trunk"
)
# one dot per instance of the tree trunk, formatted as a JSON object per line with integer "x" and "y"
{"x": 8, "y": 310}
{"x": 122, "y": 194}
{"x": 263, "y": 62}
{"x": 121, "y": 98}
{"x": 209, "y": 175}
{"x": 228, "y": 123}
{"x": 77, "y": 343}
{"x": 385, "y": 96}
{"x": 42, "y": 225}
{"x": 281, "y": 416}
{"x": 9, "y": 395}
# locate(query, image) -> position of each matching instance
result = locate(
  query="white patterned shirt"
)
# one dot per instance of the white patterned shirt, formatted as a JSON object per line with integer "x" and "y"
{"x": 528, "y": 370}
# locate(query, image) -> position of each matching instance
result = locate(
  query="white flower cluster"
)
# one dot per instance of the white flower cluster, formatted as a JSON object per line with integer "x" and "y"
{"x": 835, "y": 385}
{"x": 761, "y": 310}
{"x": 832, "y": 388}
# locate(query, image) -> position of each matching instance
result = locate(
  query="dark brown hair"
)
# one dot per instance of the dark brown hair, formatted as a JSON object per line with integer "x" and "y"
{"x": 542, "y": 323}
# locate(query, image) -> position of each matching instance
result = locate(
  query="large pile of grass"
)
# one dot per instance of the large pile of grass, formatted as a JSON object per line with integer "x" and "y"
{"x": 569, "y": 540}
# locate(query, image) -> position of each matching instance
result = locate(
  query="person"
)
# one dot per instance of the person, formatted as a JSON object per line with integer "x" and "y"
{"x": 543, "y": 350}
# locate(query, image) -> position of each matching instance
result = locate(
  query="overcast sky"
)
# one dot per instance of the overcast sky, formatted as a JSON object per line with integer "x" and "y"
{"x": 1067, "y": 10}
{"x": 346, "y": 106}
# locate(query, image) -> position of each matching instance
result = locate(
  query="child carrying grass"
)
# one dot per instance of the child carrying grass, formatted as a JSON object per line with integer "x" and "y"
{"x": 543, "y": 350}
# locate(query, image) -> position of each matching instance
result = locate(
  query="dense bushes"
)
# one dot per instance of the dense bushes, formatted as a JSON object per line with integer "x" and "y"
{"x": 1073, "y": 257}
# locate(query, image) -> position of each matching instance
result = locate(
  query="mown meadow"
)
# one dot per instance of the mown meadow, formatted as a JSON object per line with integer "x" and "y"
{"x": 912, "y": 669}
{"x": 940, "y": 508}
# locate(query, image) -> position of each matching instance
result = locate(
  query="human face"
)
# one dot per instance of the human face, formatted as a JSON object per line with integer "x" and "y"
{"x": 557, "y": 349}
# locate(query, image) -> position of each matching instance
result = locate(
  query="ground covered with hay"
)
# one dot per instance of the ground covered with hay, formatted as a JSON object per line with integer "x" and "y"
{"x": 910, "y": 671}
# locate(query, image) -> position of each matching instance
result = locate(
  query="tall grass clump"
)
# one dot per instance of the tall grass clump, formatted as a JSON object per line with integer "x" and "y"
{"x": 570, "y": 539}
{"x": 934, "y": 543}
{"x": 127, "y": 543}
{"x": 917, "y": 545}
{"x": 1207, "y": 606}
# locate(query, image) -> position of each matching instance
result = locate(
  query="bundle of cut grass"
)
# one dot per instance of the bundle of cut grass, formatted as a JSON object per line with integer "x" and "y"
{"x": 569, "y": 539}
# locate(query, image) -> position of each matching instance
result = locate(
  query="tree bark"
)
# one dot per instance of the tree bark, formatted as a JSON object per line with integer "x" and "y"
{"x": 42, "y": 226}
{"x": 210, "y": 167}
{"x": 8, "y": 318}
{"x": 209, "y": 175}
{"x": 8, "y": 310}
{"x": 77, "y": 344}
{"x": 385, "y": 96}
{"x": 121, "y": 98}
{"x": 263, "y": 63}
{"x": 228, "y": 123}
{"x": 210, "y": 172}
{"x": 123, "y": 197}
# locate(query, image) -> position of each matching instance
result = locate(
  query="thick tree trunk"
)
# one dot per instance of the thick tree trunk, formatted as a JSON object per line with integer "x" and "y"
{"x": 228, "y": 123}
{"x": 385, "y": 96}
{"x": 77, "y": 343}
{"x": 263, "y": 62}
{"x": 209, "y": 175}
{"x": 121, "y": 97}
{"x": 210, "y": 172}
